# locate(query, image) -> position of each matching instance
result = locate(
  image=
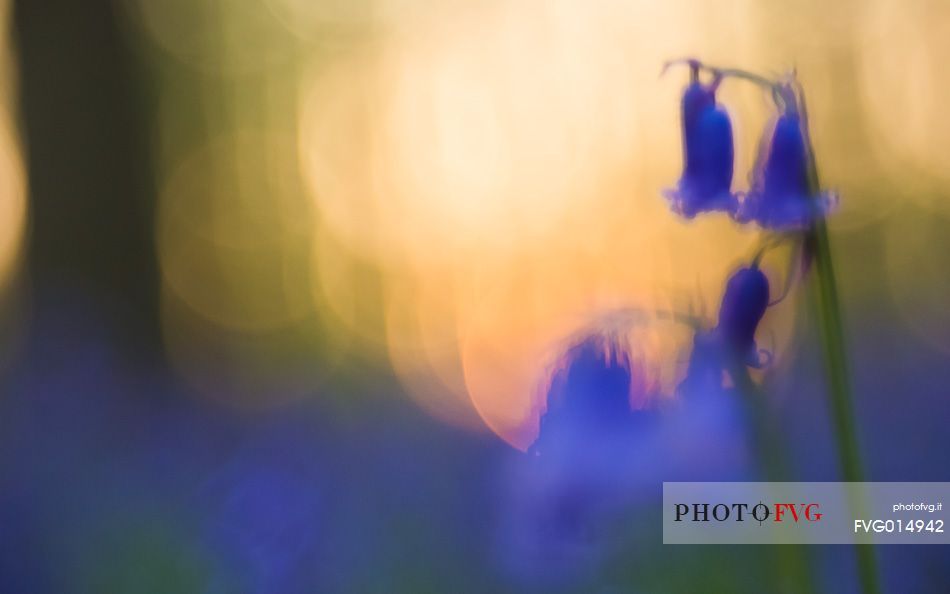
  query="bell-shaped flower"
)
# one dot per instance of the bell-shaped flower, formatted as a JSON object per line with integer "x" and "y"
{"x": 606, "y": 439}
{"x": 732, "y": 341}
{"x": 744, "y": 303}
{"x": 589, "y": 395}
{"x": 708, "y": 152}
{"x": 783, "y": 195}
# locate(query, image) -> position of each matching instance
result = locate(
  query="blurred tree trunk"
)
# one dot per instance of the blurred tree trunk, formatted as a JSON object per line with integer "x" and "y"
{"x": 85, "y": 125}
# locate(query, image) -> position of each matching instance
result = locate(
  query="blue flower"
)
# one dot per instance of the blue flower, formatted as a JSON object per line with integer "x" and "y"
{"x": 782, "y": 195}
{"x": 708, "y": 152}
{"x": 561, "y": 499}
{"x": 589, "y": 393}
{"x": 733, "y": 339}
{"x": 744, "y": 303}
{"x": 597, "y": 462}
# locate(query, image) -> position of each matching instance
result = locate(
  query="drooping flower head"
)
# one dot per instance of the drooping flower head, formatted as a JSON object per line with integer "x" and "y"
{"x": 743, "y": 304}
{"x": 732, "y": 340}
{"x": 601, "y": 451}
{"x": 708, "y": 151}
{"x": 783, "y": 192}
{"x": 589, "y": 393}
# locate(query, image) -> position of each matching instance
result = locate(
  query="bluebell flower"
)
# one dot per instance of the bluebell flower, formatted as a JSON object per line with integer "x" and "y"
{"x": 732, "y": 340}
{"x": 782, "y": 195}
{"x": 560, "y": 498}
{"x": 708, "y": 152}
{"x": 598, "y": 460}
{"x": 589, "y": 394}
{"x": 743, "y": 304}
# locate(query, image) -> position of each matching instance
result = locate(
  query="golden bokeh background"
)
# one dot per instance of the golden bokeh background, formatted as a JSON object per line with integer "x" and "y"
{"x": 457, "y": 189}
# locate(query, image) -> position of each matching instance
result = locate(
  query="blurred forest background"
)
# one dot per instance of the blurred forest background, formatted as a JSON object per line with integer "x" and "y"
{"x": 281, "y": 279}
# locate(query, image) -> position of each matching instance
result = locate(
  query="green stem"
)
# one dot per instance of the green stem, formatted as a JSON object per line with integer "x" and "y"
{"x": 791, "y": 560}
{"x": 832, "y": 336}
{"x": 831, "y": 329}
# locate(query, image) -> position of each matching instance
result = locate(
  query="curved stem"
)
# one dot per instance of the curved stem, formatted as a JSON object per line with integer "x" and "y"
{"x": 720, "y": 73}
{"x": 745, "y": 75}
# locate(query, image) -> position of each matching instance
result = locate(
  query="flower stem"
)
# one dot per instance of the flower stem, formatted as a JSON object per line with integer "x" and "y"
{"x": 792, "y": 564}
{"x": 831, "y": 329}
